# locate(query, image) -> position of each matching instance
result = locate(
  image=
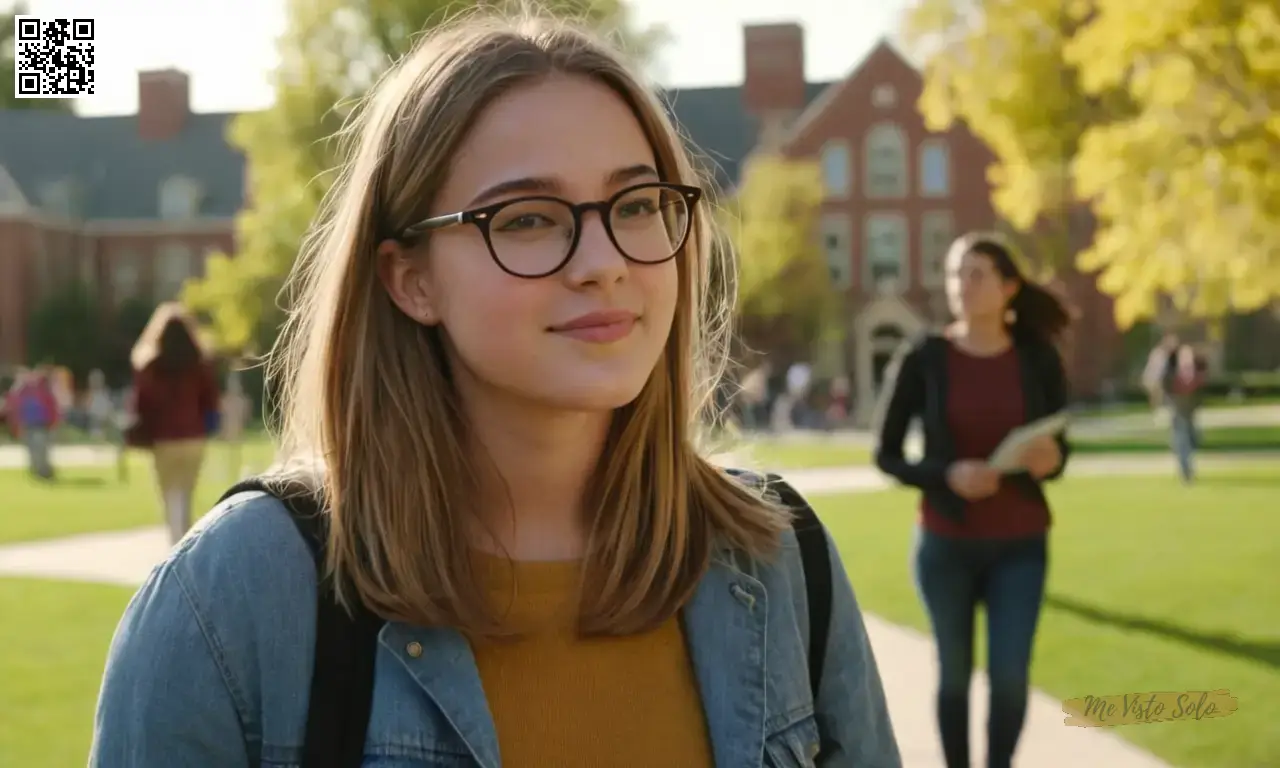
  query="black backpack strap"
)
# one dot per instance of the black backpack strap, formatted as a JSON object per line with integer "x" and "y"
{"x": 815, "y": 558}
{"x": 816, "y": 561}
{"x": 346, "y": 648}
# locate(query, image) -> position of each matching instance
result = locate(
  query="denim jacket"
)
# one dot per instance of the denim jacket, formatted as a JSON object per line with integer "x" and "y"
{"x": 211, "y": 665}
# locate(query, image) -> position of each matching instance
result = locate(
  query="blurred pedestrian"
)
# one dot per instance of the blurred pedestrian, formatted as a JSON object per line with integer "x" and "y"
{"x": 1182, "y": 400}
{"x": 174, "y": 395}
{"x": 33, "y": 412}
{"x": 100, "y": 408}
{"x": 982, "y": 536}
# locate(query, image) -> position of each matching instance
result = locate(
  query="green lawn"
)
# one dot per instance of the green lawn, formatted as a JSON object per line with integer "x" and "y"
{"x": 96, "y": 499}
{"x": 803, "y": 451}
{"x": 1156, "y": 440}
{"x": 54, "y": 641}
{"x": 1153, "y": 587}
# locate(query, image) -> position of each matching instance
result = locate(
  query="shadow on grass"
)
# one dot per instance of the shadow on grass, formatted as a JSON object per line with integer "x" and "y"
{"x": 1266, "y": 652}
{"x": 1147, "y": 447}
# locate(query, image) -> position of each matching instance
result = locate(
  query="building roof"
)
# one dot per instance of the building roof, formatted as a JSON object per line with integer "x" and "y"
{"x": 117, "y": 174}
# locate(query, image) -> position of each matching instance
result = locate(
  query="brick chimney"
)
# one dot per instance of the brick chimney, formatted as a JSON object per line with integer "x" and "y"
{"x": 773, "y": 90}
{"x": 163, "y": 103}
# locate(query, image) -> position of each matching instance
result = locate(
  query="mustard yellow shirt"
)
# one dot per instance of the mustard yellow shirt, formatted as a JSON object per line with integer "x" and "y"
{"x": 561, "y": 701}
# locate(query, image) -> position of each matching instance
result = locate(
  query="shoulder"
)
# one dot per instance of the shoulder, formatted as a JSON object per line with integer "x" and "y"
{"x": 1045, "y": 354}
{"x": 246, "y": 575}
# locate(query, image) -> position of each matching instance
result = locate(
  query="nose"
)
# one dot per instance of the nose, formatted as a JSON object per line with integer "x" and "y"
{"x": 596, "y": 261}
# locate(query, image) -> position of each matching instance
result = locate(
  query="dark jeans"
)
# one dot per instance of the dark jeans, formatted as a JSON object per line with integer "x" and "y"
{"x": 1007, "y": 576}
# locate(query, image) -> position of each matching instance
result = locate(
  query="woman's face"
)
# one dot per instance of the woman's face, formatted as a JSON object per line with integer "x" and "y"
{"x": 975, "y": 288}
{"x": 574, "y": 139}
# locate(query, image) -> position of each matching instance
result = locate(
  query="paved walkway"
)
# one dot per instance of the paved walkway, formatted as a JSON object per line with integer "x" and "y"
{"x": 905, "y": 657}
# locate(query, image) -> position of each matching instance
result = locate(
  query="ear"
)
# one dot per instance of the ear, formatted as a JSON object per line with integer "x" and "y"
{"x": 403, "y": 273}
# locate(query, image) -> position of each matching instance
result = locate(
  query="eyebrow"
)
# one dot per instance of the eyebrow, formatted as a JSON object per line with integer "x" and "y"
{"x": 546, "y": 185}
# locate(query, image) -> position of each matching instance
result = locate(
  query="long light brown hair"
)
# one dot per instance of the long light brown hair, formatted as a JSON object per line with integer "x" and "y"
{"x": 367, "y": 395}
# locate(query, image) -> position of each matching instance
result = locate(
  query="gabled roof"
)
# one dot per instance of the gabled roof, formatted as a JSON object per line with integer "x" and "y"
{"x": 118, "y": 174}
{"x": 830, "y": 96}
{"x": 718, "y": 127}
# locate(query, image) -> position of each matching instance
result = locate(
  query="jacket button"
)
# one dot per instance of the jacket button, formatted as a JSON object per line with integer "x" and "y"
{"x": 414, "y": 649}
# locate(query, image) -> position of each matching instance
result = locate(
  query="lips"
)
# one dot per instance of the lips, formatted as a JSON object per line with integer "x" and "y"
{"x": 598, "y": 327}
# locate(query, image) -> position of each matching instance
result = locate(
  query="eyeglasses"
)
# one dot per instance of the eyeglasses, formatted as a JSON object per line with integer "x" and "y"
{"x": 536, "y": 236}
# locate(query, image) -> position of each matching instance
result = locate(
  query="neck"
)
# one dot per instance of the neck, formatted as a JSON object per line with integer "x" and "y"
{"x": 984, "y": 335}
{"x": 533, "y": 464}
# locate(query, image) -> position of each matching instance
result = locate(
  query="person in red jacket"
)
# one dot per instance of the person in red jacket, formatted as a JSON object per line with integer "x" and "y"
{"x": 175, "y": 402}
{"x": 33, "y": 414}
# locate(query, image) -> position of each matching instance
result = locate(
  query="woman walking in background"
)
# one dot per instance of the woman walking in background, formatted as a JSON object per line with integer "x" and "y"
{"x": 982, "y": 537}
{"x": 175, "y": 397}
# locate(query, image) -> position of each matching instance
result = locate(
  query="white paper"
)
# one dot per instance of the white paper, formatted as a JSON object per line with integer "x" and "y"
{"x": 1008, "y": 455}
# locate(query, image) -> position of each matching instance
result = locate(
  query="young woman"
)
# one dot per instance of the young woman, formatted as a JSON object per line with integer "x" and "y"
{"x": 505, "y": 332}
{"x": 174, "y": 394}
{"x": 982, "y": 537}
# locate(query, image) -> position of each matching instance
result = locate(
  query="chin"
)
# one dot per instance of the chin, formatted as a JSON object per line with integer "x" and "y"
{"x": 600, "y": 395}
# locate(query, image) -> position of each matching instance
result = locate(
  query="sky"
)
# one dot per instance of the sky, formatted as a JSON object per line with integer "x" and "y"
{"x": 228, "y": 52}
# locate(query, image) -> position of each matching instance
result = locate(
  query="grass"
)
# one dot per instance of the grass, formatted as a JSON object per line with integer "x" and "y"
{"x": 55, "y": 642}
{"x": 92, "y": 499}
{"x": 1241, "y": 439}
{"x": 803, "y": 451}
{"x": 1152, "y": 587}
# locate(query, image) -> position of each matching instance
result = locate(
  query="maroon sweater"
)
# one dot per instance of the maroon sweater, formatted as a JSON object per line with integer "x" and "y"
{"x": 175, "y": 406}
{"x": 985, "y": 403}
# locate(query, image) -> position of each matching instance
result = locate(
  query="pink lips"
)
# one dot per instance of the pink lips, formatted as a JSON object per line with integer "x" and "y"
{"x": 599, "y": 327}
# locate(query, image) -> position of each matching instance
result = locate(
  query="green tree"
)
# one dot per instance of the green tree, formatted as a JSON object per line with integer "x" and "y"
{"x": 66, "y": 329}
{"x": 784, "y": 292}
{"x": 1187, "y": 188}
{"x": 8, "y": 54}
{"x": 330, "y": 55}
{"x": 1001, "y": 70}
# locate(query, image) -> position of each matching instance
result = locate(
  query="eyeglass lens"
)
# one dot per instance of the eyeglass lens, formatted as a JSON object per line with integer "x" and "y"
{"x": 533, "y": 237}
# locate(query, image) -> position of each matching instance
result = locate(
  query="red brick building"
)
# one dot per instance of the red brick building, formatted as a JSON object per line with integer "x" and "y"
{"x": 132, "y": 204}
{"x": 129, "y": 205}
{"x": 897, "y": 195}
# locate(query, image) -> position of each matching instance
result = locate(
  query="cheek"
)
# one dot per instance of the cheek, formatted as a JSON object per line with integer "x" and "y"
{"x": 491, "y": 317}
{"x": 660, "y": 286}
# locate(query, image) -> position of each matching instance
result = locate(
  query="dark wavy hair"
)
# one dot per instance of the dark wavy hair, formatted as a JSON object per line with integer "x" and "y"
{"x": 177, "y": 349}
{"x": 1039, "y": 314}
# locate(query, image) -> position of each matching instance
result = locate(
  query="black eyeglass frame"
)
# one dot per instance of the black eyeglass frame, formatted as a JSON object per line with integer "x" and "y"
{"x": 483, "y": 216}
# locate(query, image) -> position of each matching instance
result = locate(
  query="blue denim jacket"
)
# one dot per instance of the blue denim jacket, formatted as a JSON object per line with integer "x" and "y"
{"x": 211, "y": 664}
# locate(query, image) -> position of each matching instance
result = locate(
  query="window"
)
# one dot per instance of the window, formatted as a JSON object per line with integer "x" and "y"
{"x": 173, "y": 268}
{"x": 886, "y": 163}
{"x": 936, "y": 232}
{"x": 59, "y": 198}
{"x": 884, "y": 96}
{"x": 126, "y": 276}
{"x": 935, "y": 169}
{"x": 837, "y": 244}
{"x": 885, "y": 252}
{"x": 179, "y": 198}
{"x": 835, "y": 169}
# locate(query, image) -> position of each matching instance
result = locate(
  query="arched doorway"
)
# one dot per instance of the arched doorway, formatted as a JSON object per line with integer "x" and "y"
{"x": 886, "y": 339}
{"x": 878, "y": 332}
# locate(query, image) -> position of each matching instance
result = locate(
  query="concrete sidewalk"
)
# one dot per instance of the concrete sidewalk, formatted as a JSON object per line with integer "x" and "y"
{"x": 905, "y": 657}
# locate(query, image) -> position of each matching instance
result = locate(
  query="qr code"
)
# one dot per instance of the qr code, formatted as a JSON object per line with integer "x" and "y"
{"x": 53, "y": 58}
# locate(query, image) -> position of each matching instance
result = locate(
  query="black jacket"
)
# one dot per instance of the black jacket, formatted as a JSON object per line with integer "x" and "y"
{"x": 918, "y": 388}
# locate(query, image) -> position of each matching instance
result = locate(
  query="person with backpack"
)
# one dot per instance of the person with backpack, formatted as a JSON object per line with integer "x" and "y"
{"x": 982, "y": 538}
{"x": 488, "y": 538}
{"x": 32, "y": 408}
